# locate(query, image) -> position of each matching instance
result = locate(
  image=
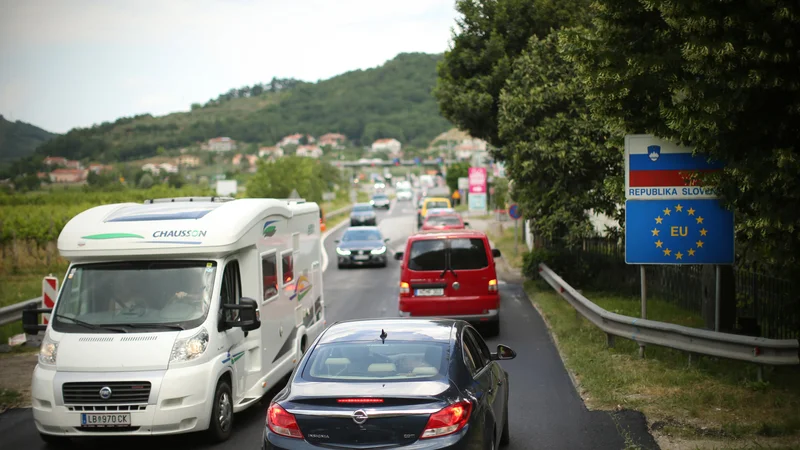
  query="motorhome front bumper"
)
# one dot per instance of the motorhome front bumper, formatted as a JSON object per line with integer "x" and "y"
{"x": 70, "y": 403}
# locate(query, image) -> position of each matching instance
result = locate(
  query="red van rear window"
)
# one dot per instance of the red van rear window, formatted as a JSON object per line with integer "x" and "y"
{"x": 468, "y": 254}
{"x": 428, "y": 254}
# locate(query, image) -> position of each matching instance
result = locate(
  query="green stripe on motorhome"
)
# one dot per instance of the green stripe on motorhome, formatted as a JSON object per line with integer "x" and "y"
{"x": 113, "y": 236}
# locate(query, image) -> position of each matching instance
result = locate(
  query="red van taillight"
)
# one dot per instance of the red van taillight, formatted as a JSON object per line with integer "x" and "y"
{"x": 405, "y": 290}
{"x": 281, "y": 422}
{"x": 492, "y": 285}
{"x": 447, "y": 421}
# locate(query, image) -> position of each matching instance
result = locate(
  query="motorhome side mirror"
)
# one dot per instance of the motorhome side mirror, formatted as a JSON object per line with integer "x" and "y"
{"x": 248, "y": 317}
{"x": 398, "y": 256}
{"x": 496, "y": 253}
{"x": 386, "y": 240}
{"x": 337, "y": 241}
{"x": 30, "y": 319}
{"x": 503, "y": 353}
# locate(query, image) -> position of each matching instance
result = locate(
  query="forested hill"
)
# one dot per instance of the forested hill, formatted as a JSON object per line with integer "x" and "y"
{"x": 393, "y": 100}
{"x": 20, "y": 139}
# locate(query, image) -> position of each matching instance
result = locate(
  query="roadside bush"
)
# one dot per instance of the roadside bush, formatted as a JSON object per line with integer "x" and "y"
{"x": 582, "y": 269}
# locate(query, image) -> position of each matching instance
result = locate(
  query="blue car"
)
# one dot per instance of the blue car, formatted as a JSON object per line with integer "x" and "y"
{"x": 363, "y": 214}
{"x": 394, "y": 383}
{"x": 361, "y": 246}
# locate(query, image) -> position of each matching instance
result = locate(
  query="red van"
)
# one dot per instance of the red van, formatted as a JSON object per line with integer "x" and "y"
{"x": 450, "y": 274}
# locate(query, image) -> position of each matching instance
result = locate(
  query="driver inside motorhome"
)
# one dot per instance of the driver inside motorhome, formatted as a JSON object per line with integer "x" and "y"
{"x": 136, "y": 294}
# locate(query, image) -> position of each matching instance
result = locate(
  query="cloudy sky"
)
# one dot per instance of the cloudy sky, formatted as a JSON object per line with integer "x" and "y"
{"x": 74, "y": 63}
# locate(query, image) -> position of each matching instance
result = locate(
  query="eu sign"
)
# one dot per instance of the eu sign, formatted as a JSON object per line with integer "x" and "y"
{"x": 679, "y": 231}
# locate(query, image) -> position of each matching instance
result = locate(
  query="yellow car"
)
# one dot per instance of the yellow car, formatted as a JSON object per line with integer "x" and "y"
{"x": 430, "y": 203}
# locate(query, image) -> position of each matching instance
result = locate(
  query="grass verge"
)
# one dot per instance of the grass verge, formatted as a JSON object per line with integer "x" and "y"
{"x": 9, "y": 398}
{"x": 712, "y": 398}
{"x": 503, "y": 240}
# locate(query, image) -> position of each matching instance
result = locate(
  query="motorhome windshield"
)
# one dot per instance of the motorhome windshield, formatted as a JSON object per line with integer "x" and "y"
{"x": 135, "y": 296}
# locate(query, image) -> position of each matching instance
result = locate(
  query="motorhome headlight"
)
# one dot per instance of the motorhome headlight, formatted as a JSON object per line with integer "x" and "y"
{"x": 342, "y": 252}
{"x": 379, "y": 251}
{"x": 190, "y": 348}
{"x": 48, "y": 351}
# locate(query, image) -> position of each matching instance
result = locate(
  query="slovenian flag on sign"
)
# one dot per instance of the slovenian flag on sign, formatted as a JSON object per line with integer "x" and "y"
{"x": 659, "y": 167}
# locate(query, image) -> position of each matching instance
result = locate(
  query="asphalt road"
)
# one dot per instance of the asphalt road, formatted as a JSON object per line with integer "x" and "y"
{"x": 545, "y": 409}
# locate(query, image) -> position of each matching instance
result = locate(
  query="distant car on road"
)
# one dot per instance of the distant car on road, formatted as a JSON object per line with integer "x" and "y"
{"x": 404, "y": 195}
{"x": 361, "y": 246}
{"x": 363, "y": 214}
{"x": 394, "y": 383}
{"x": 380, "y": 201}
{"x": 443, "y": 221}
{"x": 430, "y": 203}
{"x": 450, "y": 274}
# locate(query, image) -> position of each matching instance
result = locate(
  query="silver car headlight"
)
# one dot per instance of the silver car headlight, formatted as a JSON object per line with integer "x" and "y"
{"x": 379, "y": 251}
{"x": 190, "y": 348}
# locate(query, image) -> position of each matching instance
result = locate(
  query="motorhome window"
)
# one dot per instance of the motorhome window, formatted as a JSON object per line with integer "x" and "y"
{"x": 467, "y": 254}
{"x": 135, "y": 294}
{"x": 269, "y": 269}
{"x": 354, "y": 234}
{"x": 428, "y": 254}
{"x": 287, "y": 269}
{"x": 231, "y": 289}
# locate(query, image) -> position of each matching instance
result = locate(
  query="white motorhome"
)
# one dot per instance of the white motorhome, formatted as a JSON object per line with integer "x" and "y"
{"x": 174, "y": 314}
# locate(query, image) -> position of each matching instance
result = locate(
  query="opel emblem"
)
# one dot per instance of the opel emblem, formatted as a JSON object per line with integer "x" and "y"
{"x": 360, "y": 416}
{"x": 456, "y": 285}
{"x": 105, "y": 392}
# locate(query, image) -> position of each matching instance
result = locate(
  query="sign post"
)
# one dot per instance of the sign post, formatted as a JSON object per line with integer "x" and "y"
{"x": 49, "y": 293}
{"x": 477, "y": 189}
{"x": 670, "y": 219}
{"x": 515, "y": 213}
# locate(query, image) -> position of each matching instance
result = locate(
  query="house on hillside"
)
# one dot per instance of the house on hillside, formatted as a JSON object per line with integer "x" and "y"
{"x": 188, "y": 161}
{"x": 386, "y": 145}
{"x": 468, "y": 147}
{"x": 221, "y": 144}
{"x": 335, "y": 140}
{"x": 309, "y": 151}
{"x": 58, "y": 161}
{"x": 157, "y": 169}
{"x": 251, "y": 159}
{"x": 68, "y": 175}
{"x": 100, "y": 168}
{"x": 270, "y": 152}
{"x": 295, "y": 139}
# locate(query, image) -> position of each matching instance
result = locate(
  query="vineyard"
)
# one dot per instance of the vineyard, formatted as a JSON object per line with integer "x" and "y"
{"x": 39, "y": 217}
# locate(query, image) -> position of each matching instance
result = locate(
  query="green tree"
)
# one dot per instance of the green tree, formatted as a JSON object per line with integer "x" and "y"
{"x": 146, "y": 181}
{"x": 720, "y": 77}
{"x": 557, "y": 153}
{"x": 277, "y": 179}
{"x": 454, "y": 172}
{"x": 488, "y": 38}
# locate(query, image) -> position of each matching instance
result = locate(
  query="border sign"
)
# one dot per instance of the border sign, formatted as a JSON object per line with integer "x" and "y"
{"x": 678, "y": 232}
{"x": 669, "y": 217}
{"x": 514, "y": 212}
{"x": 658, "y": 169}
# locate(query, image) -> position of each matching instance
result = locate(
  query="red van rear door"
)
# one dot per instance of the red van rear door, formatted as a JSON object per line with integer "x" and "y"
{"x": 427, "y": 261}
{"x": 470, "y": 270}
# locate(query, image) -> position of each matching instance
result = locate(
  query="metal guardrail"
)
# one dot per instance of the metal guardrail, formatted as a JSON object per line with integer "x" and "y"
{"x": 13, "y": 313}
{"x": 339, "y": 211}
{"x": 757, "y": 350}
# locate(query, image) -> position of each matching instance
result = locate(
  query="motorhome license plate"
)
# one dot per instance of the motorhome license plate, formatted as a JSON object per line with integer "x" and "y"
{"x": 429, "y": 292}
{"x": 106, "y": 419}
{"x": 361, "y": 257}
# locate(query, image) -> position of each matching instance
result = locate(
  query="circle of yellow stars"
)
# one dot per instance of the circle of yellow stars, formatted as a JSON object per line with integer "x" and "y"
{"x": 668, "y": 252}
